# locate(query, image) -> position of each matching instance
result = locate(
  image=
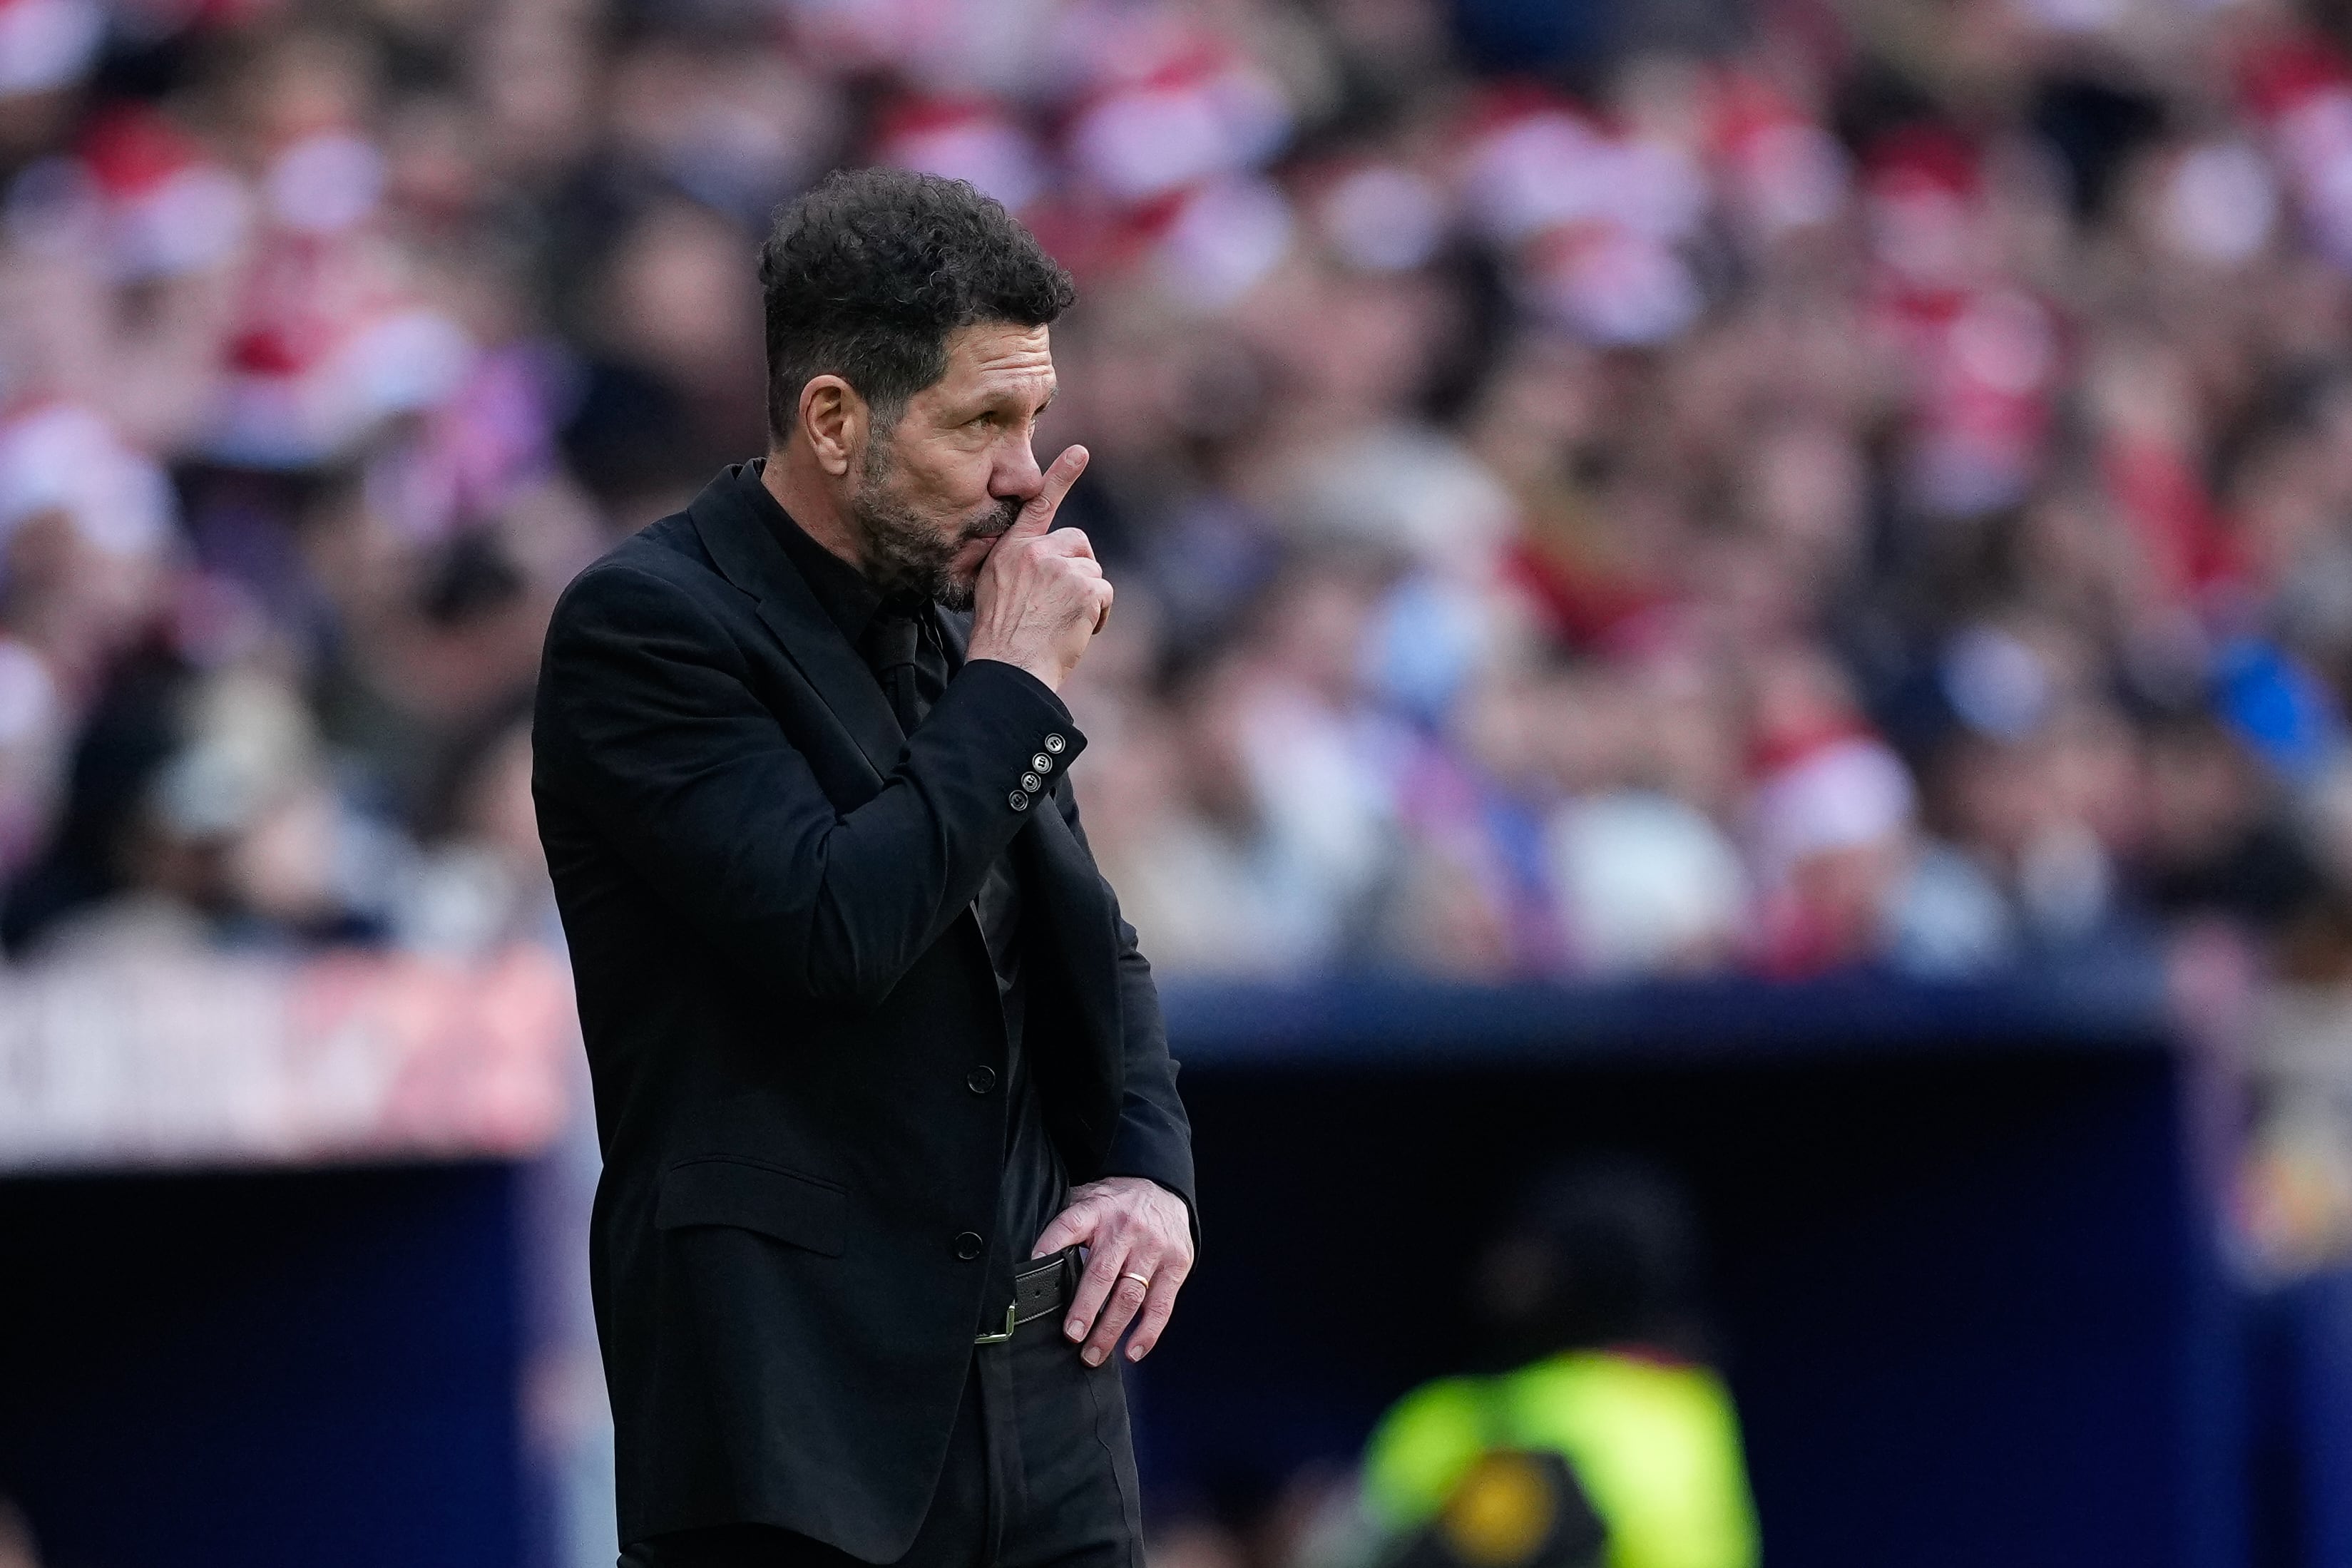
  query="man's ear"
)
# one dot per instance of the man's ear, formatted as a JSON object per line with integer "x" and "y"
{"x": 835, "y": 421}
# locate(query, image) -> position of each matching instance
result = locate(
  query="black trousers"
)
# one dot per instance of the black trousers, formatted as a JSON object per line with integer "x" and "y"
{"x": 1040, "y": 1473}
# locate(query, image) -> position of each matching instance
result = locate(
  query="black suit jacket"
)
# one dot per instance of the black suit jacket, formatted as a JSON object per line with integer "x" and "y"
{"x": 766, "y": 887}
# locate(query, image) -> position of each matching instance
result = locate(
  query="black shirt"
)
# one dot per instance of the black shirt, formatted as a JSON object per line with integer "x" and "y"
{"x": 1034, "y": 1186}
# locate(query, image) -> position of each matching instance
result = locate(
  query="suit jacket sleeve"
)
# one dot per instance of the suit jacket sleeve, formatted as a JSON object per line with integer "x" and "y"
{"x": 646, "y": 720}
{"x": 1154, "y": 1138}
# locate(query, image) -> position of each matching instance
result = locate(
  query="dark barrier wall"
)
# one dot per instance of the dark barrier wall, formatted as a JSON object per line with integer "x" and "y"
{"x": 1964, "y": 1279}
{"x": 1963, "y": 1274}
{"x": 290, "y": 1370}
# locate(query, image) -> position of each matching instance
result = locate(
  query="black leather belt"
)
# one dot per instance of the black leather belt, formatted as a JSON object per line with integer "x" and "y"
{"x": 1039, "y": 1291}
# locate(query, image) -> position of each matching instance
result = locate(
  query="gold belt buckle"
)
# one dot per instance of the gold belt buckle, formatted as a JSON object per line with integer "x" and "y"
{"x": 1009, "y": 1325}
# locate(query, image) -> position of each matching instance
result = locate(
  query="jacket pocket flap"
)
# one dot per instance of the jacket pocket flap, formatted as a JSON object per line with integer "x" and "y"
{"x": 766, "y": 1198}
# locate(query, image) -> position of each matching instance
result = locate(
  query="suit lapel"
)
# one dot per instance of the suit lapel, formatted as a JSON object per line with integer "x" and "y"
{"x": 753, "y": 561}
{"x": 1086, "y": 1069}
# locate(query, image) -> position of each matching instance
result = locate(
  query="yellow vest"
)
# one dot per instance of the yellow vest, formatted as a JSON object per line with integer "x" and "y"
{"x": 1656, "y": 1446}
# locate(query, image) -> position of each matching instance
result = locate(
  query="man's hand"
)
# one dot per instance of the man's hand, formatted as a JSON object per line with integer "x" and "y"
{"x": 1139, "y": 1242}
{"x": 1040, "y": 595}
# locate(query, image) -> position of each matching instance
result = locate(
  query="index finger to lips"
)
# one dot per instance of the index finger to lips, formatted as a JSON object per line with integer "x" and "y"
{"x": 1059, "y": 477}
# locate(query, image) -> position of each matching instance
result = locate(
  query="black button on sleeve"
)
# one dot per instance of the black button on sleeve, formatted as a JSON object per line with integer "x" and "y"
{"x": 968, "y": 1245}
{"x": 981, "y": 1080}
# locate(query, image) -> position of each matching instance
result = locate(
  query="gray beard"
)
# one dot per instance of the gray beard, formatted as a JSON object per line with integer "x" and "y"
{"x": 905, "y": 553}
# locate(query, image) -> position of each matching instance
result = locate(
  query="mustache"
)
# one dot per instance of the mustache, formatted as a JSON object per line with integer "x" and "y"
{"x": 993, "y": 525}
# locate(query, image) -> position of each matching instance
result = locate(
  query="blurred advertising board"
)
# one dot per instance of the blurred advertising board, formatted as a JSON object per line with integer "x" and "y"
{"x": 141, "y": 1061}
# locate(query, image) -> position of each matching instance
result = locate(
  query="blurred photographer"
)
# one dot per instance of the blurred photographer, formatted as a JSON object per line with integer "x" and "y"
{"x": 1606, "y": 1443}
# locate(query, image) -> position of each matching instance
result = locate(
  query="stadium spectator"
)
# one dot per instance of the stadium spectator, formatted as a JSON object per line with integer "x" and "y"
{"x": 1831, "y": 490}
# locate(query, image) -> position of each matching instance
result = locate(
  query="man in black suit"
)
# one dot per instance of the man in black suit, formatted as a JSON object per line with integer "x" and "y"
{"x": 875, "y": 1055}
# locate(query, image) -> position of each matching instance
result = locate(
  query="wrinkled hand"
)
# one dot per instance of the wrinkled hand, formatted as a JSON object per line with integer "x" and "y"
{"x": 1129, "y": 1227}
{"x": 1041, "y": 595}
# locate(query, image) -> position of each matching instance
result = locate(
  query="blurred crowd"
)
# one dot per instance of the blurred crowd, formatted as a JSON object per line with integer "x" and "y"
{"x": 1592, "y": 490}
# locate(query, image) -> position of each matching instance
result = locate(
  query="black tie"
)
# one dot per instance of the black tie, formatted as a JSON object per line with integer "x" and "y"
{"x": 893, "y": 645}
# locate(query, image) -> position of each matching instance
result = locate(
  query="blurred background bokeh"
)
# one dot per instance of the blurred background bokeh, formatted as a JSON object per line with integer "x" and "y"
{"x": 1608, "y": 498}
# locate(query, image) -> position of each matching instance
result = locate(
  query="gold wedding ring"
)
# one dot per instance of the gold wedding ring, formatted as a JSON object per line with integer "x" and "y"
{"x": 1142, "y": 1279}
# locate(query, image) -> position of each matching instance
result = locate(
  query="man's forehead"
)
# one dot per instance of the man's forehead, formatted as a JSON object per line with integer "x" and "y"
{"x": 999, "y": 351}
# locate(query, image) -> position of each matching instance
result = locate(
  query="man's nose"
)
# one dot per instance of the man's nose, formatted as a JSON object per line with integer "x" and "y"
{"x": 1017, "y": 477}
